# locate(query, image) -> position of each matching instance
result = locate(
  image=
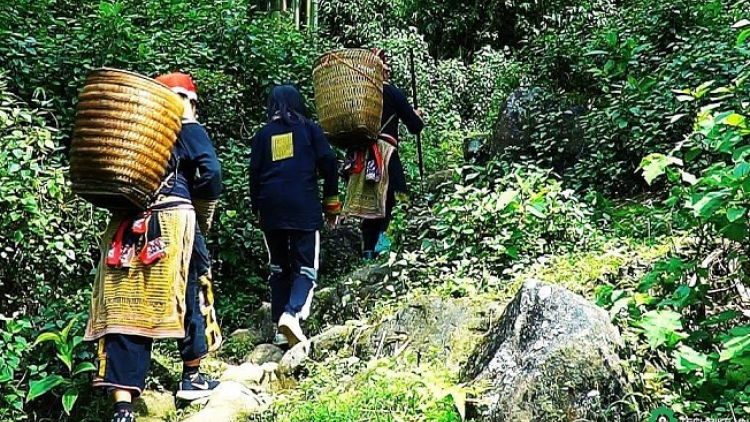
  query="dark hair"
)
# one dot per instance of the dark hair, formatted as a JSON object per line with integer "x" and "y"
{"x": 286, "y": 102}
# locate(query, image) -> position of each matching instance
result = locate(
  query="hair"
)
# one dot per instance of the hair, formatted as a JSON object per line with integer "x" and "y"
{"x": 286, "y": 102}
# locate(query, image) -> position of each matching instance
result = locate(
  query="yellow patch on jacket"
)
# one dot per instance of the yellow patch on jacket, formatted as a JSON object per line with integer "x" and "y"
{"x": 282, "y": 146}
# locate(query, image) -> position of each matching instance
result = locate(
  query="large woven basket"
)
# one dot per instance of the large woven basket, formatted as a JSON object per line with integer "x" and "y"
{"x": 348, "y": 88}
{"x": 126, "y": 125}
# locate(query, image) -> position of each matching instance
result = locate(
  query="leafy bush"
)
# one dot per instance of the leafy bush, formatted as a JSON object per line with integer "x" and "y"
{"x": 622, "y": 69}
{"x": 687, "y": 309}
{"x": 486, "y": 226}
{"x": 385, "y": 391}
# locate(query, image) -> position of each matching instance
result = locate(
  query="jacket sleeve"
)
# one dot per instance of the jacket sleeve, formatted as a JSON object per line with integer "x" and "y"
{"x": 255, "y": 164}
{"x": 406, "y": 113}
{"x": 325, "y": 161}
{"x": 207, "y": 185}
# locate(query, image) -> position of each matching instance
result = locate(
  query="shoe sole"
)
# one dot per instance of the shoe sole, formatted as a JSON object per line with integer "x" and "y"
{"x": 192, "y": 395}
{"x": 291, "y": 336}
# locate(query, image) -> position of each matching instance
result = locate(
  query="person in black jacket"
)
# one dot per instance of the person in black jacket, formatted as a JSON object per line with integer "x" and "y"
{"x": 287, "y": 155}
{"x": 154, "y": 279}
{"x": 396, "y": 108}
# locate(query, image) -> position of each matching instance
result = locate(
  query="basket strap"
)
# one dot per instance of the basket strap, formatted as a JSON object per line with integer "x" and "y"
{"x": 387, "y": 122}
{"x": 349, "y": 65}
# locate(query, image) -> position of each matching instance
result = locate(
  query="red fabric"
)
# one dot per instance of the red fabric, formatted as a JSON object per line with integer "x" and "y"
{"x": 178, "y": 81}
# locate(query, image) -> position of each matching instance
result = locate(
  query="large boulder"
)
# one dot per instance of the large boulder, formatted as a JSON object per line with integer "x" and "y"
{"x": 551, "y": 357}
{"x": 446, "y": 330}
{"x": 351, "y": 297}
{"x": 550, "y": 122}
{"x": 231, "y": 402}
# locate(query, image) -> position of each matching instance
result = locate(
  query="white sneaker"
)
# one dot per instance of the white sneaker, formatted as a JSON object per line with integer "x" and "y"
{"x": 279, "y": 339}
{"x": 289, "y": 326}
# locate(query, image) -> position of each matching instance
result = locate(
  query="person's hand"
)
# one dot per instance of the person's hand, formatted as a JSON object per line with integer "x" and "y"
{"x": 419, "y": 112}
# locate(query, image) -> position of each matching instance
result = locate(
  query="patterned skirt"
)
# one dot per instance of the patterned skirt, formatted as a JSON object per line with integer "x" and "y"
{"x": 145, "y": 300}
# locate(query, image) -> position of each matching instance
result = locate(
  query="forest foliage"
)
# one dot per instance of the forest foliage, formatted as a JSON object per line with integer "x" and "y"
{"x": 664, "y": 81}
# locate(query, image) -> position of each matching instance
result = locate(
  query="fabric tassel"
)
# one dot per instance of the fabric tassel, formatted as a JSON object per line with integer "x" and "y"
{"x": 114, "y": 254}
{"x": 154, "y": 249}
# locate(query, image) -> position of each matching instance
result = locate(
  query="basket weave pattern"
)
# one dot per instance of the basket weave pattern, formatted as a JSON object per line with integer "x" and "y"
{"x": 126, "y": 125}
{"x": 348, "y": 87}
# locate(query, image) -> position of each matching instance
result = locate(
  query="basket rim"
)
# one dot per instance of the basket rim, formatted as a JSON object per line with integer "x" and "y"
{"x": 339, "y": 50}
{"x": 130, "y": 73}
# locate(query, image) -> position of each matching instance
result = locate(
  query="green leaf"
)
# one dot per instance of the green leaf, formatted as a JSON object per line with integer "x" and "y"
{"x": 734, "y": 119}
{"x": 734, "y": 214}
{"x": 69, "y": 399}
{"x": 654, "y": 165}
{"x": 505, "y": 198}
{"x": 84, "y": 367}
{"x": 720, "y": 318}
{"x": 707, "y": 204}
{"x": 66, "y": 330}
{"x": 737, "y": 231}
{"x": 661, "y": 327}
{"x": 48, "y": 337}
{"x": 43, "y": 386}
{"x": 742, "y": 169}
{"x": 735, "y": 348}
{"x": 533, "y": 210}
{"x": 742, "y": 37}
{"x": 688, "y": 360}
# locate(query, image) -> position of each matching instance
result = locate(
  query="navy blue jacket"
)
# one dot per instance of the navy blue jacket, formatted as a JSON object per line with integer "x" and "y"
{"x": 198, "y": 172}
{"x": 397, "y": 105}
{"x": 284, "y": 165}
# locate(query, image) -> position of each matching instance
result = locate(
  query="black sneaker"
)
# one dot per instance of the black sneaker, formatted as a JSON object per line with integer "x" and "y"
{"x": 123, "y": 416}
{"x": 195, "y": 387}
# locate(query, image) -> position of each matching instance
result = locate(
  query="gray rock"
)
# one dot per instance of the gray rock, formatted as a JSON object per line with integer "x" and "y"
{"x": 331, "y": 340}
{"x": 248, "y": 374}
{"x": 527, "y": 111}
{"x": 294, "y": 358}
{"x": 265, "y": 353}
{"x": 349, "y": 298}
{"x": 231, "y": 402}
{"x": 154, "y": 404}
{"x": 261, "y": 324}
{"x": 551, "y": 357}
{"x": 444, "y": 329}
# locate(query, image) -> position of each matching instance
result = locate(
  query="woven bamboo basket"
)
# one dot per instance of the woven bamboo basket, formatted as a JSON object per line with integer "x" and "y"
{"x": 348, "y": 87}
{"x": 125, "y": 128}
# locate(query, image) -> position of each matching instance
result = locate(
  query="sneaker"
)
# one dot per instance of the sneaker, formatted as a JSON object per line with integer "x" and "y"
{"x": 195, "y": 387}
{"x": 279, "y": 339}
{"x": 123, "y": 416}
{"x": 289, "y": 326}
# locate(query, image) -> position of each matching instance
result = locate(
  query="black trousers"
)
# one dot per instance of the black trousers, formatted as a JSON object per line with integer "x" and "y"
{"x": 294, "y": 261}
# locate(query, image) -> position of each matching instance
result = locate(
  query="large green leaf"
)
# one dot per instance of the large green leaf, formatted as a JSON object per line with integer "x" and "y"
{"x": 69, "y": 398}
{"x": 84, "y": 367}
{"x": 735, "y": 347}
{"x": 704, "y": 205}
{"x": 662, "y": 327}
{"x": 687, "y": 360}
{"x": 49, "y": 336}
{"x": 655, "y": 165}
{"x": 43, "y": 386}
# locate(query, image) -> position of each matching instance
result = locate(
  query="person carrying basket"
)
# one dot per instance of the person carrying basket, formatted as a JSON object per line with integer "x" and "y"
{"x": 153, "y": 279}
